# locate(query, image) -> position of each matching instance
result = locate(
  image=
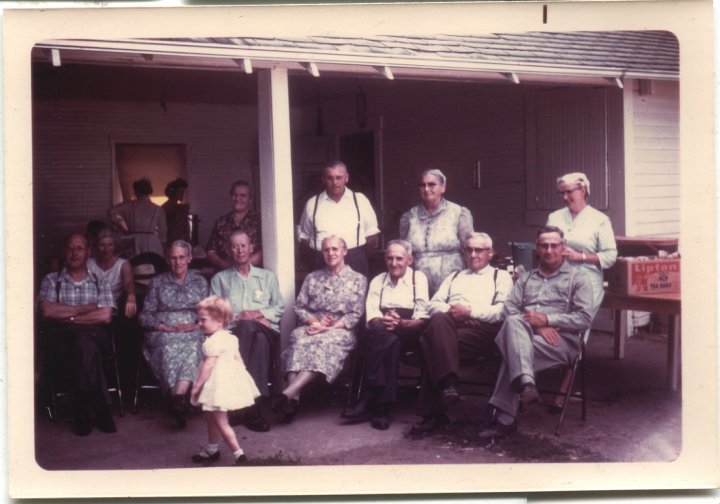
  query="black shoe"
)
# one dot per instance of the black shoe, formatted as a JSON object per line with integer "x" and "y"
{"x": 205, "y": 458}
{"x": 529, "y": 393}
{"x": 279, "y": 402}
{"x": 82, "y": 426}
{"x": 178, "y": 409}
{"x": 429, "y": 423}
{"x": 450, "y": 396}
{"x": 497, "y": 430}
{"x": 104, "y": 421}
{"x": 361, "y": 412}
{"x": 555, "y": 409}
{"x": 254, "y": 421}
{"x": 380, "y": 421}
{"x": 289, "y": 410}
{"x": 242, "y": 460}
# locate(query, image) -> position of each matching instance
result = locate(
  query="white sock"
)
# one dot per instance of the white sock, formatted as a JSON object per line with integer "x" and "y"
{"x": 238, "y": 453}
{"x": 211, "y": 449}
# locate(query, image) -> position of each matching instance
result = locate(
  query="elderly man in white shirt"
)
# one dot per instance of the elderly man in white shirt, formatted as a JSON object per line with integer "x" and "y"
{"x": 341, "y": 212}
{"x": 396, "y": 315}
{"x": 466, "y": 314}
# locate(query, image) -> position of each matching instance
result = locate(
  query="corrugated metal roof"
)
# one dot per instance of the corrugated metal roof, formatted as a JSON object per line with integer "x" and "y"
{"x": 630, "y": 51}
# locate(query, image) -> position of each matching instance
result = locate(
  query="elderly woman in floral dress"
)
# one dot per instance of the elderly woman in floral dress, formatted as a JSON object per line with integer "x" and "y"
{"x": 329, "y": 307}
{"x": 173, "y": 339}
{"x": 436, "y": 229}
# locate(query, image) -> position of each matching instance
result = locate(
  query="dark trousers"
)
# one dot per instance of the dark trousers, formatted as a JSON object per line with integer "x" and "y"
{"x": 356, "y": 258}
{"x": 257, "y": 344}
{"x": 74, "y": 359}
{"x": 382, "y": 357}
{"x": 444, "y": 343}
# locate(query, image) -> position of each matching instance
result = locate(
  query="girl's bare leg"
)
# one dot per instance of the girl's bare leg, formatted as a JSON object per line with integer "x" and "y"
{"x": 213, "y": 432}
{"x": 221, "y": 425}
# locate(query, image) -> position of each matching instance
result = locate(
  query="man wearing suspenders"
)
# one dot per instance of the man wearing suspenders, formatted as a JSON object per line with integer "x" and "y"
{"x": 546, "y": 311}
{"x": 466, "y": 313}
{"x": 396, "y": 315}
{"x": 77, "y": 306}
{"x": 341, "y": 212}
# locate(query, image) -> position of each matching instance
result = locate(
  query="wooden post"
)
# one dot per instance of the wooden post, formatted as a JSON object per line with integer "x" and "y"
{"x": 276, "y": 194}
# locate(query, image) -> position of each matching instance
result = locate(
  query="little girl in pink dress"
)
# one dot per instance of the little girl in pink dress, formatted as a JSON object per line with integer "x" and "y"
{"x": 223, "y": 383}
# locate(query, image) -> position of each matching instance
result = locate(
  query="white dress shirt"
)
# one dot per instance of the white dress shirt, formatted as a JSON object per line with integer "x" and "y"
{"x": 481, "y": 291}
{"x": 338, "y": 218}
{"x": 399, "y": 295}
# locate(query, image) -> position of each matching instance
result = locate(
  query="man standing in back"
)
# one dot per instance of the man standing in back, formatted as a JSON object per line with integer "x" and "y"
{"x": 341, "y": 212}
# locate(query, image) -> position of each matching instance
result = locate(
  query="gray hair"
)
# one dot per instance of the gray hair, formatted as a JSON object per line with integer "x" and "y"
{"x": 435, "y": 173}
{"x": 181, "y": 244}
{"x": 106, "y": 232}
{"x": 480, "y": 236}
{"x": 551, "y": 229}
{"x": 402, "y": 243}
{"x": 239, "y": 232}
{"x": 575, "y": 178}
{"x": 331, "y": 237}
{"x": 335, "y": 163}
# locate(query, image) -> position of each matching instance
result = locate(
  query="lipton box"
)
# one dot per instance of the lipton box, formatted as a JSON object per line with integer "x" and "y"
{"x": 644, "y": 275}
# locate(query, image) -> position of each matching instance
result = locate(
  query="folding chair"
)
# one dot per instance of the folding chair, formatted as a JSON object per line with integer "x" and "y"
{"x": 577, "y": 367}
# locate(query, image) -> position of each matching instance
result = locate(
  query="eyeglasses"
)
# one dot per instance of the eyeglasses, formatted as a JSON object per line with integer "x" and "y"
{"x": 546, "y": 246}
{"x": 429, "y": 184}
{"x": 477, "y": 250}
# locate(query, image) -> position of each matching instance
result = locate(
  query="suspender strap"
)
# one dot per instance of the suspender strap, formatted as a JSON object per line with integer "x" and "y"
{"x": 58, "y": 282}
{"x": 382, "y": 289}
{"x": 357, "y": 209}
{"x": 495, "y": 293}
{"x": 495, "y": 274}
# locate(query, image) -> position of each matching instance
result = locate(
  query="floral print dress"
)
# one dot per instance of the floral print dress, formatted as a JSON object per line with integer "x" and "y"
{"x": 173, "y": 356}
{"x": 340, "y": 296}
{"x": 437, "y": 239}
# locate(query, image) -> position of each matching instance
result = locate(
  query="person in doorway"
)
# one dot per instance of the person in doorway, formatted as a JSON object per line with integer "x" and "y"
{"x": 77, "y": 306}
{"x": 341, "y": 212}
{"x": 258, "y": 307}
{"x": 436, "y": 229}
{"x": 177, "y": 213}
{"x": 548, "y": 310}
{"x": 396, "y": 315}
{"x": 142, "y": 219}
{"x": 241, "y": 218}
{"x": 466, "y": 313}
{"x": 329, "y": 307}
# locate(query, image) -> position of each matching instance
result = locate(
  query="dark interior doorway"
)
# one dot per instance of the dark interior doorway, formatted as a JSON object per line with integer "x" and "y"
{"x": 357, "y": 151}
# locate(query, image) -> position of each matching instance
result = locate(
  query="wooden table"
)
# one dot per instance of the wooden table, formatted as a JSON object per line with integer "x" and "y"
{"x": 668, "y": 304}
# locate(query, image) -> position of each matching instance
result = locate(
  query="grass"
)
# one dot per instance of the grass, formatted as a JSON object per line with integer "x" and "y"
{"x": 279, "y": 459}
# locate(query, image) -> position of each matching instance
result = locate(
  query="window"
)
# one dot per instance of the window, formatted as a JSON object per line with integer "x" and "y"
{"x": 566, "y": 131}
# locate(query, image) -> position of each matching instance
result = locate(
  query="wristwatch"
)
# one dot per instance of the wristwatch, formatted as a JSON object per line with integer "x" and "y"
{"x": 72, "y": 318}
{"x": 583, "y": 257}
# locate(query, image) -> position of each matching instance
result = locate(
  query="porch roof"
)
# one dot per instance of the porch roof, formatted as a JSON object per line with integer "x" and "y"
{"x": 609, "y": 54}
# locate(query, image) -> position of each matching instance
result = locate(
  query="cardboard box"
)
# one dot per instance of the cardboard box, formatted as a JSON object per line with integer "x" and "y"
{"x": 632, "y": 275}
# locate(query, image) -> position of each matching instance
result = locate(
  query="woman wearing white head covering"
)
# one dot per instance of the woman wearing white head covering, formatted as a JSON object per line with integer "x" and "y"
{"x": 588, "y": 232}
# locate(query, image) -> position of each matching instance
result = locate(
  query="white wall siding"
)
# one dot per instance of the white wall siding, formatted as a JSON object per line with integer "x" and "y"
{"x": 652, "y": 160}
{"x": 73, "y": 157}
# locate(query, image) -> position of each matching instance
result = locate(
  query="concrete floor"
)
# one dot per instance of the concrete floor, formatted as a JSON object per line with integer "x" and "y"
{"x": 631, "y": 417}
